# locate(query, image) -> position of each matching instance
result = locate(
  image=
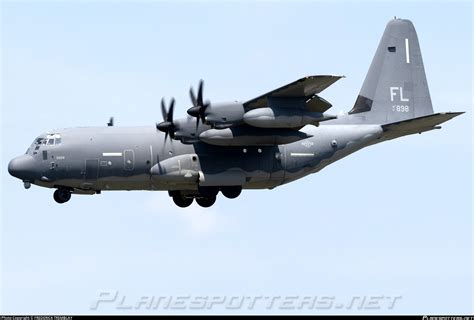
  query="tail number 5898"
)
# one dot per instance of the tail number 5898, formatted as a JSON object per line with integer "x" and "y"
{"x": 401, "y": 108}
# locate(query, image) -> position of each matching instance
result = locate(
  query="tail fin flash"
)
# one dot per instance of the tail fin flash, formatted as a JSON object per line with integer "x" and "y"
{"x": 395, "y": 88}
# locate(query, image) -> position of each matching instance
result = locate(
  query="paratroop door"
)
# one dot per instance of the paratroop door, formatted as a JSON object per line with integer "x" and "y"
{"x": 92, "y": 169}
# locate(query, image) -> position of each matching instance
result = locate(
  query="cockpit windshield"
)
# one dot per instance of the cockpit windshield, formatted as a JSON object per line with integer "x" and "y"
{"x": 49, "y": 139}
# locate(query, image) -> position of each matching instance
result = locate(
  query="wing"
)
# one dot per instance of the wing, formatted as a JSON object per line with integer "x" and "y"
{"x": 306, "y": 89}
{"x": 271, "y": 119}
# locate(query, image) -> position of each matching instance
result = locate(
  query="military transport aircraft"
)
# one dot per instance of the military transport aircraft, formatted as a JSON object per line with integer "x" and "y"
{"x": 268, "y": 141}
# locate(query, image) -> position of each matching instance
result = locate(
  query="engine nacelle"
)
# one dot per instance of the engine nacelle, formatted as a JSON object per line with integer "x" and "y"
{"x": 282, "y": 117}
{"x": 224, "y": 114}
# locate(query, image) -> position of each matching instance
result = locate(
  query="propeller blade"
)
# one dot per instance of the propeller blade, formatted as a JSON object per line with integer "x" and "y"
{"x": 169, "y": 118}
{"x": 193, "y": 97}
{"x": 163, "y": 109}
{"x": 199, "y": 98}
{"x": 167, "y": 125}
{"x": 199, "y": 107}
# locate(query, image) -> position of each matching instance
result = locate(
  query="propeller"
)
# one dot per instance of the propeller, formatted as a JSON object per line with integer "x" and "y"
{"x": 167, "y": 126}
{"x": 198, "y": 110}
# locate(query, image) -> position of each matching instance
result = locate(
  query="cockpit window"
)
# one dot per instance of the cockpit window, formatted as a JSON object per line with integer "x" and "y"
{"x": 52, "y": 139}
{"x": 49, "y": 139}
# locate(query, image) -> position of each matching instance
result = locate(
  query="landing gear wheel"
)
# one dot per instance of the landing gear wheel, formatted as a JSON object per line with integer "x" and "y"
{"x": 208, "y": 192}
{"x": 231, "y": 192}
{"x": 181, "y": 201}
{"x": 206, "y": 202}
{"x": 62, "y": 195}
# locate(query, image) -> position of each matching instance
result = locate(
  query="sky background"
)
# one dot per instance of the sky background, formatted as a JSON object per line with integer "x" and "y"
{"x": 394, "y": 219}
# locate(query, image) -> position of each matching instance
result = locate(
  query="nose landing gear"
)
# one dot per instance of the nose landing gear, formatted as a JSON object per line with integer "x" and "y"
{"x": 62, "y": 195}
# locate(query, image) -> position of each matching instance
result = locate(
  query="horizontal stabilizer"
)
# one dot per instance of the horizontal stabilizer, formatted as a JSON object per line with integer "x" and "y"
{"x": 417, "y": 125}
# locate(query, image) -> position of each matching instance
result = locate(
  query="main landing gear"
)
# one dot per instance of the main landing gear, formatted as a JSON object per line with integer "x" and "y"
{"x": 205, "y": 196}
{"x": 231, "y": 192}
{"x": 181, "y": 200}
{"x": 206, "y": 202}
{"x": 62, "y": 195}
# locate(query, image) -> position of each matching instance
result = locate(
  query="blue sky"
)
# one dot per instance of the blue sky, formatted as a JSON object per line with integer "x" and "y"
{"x": 393, "y": 219}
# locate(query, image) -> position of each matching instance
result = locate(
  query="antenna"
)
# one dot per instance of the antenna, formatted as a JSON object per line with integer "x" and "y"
{"x": 111, "y": 122}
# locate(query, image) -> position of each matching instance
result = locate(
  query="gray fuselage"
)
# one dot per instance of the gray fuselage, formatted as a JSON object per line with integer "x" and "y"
{"x": 94, "y": 159}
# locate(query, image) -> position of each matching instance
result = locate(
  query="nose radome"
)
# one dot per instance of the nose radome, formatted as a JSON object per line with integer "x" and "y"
{"x": 22, "y": 167}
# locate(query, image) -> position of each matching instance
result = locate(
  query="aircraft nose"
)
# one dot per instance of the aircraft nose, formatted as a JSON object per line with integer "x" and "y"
{"x": 22, "y": 167}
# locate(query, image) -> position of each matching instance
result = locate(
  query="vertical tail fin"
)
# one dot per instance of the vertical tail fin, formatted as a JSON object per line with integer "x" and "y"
{"x": 395, "y": 87}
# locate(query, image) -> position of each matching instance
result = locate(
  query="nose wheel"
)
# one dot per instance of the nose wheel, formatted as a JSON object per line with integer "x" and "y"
{"x": 62, "y": 195}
